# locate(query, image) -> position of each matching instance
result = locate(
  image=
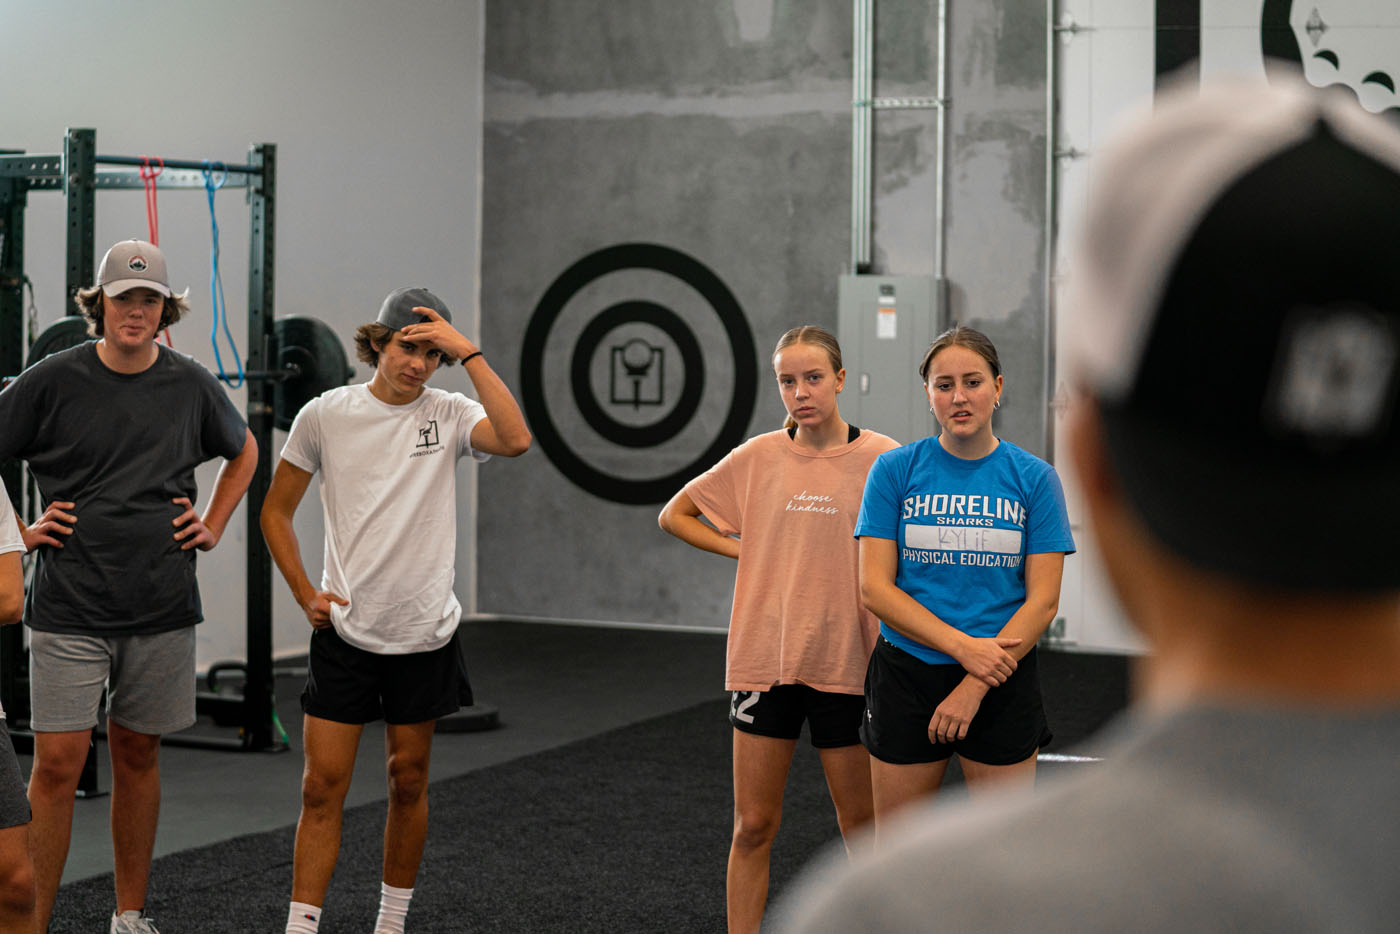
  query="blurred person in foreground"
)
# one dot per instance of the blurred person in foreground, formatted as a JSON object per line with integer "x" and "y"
{"x": 1235, "y": 339}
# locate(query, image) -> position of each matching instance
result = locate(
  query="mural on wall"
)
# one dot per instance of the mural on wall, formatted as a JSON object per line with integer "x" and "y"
{"x": 1111, "y": 59}
{"x": 1351, "y": 43}
{"x": 637, "y": 373}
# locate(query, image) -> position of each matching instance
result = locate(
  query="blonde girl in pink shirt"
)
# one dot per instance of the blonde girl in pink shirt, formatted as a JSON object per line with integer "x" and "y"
{"x": 784, "y": 505}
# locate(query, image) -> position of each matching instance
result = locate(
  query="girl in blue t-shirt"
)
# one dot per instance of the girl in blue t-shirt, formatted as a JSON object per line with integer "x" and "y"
{"x": 962, "y": 542}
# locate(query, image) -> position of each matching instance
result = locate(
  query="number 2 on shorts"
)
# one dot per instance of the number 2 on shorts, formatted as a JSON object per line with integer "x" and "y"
{"x": 739, "y": 709}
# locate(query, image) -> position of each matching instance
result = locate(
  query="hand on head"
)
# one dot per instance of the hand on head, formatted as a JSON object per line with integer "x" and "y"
{"x": 439, "y": 332}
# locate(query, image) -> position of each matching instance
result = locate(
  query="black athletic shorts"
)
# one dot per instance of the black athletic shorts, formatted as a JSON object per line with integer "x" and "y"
{"x": 902, "y": 692}
{"x": 349, "y": 685}
{"x": 779, "y": 711}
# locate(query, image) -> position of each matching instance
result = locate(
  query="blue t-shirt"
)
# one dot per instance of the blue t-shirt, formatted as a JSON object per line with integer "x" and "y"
{"x": 964, "y": 528}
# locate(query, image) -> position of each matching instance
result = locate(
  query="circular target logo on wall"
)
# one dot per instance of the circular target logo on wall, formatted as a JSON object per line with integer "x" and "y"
{"x": 638, "y": 371}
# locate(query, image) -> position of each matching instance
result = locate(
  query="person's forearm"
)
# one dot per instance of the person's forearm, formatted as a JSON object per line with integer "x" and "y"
{"x": 229, "y": 487}
{"x": 909, "y": 617}
{"x": 11, "y": 587}
{"x": 281, "y": 537}
{"x": 692, "y": 531}
{"x": 507, "y": 421}
{"x": 1028, "y": 624}
{"x": 1043, "y": 575}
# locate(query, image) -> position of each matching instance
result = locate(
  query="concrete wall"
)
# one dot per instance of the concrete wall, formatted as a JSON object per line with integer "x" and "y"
{"x": 375, "y": 110}
{"x": 720, "y": 129}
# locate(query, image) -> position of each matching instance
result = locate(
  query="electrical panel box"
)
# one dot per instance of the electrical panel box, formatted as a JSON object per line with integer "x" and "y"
{"x": 885, "y": 323}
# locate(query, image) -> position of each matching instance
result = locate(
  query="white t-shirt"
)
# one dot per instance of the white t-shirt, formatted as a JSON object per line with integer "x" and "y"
{"x": 389, "y": 491}
{"x": 9, "y": 534}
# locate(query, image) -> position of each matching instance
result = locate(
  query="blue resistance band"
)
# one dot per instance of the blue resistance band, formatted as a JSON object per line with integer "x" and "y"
{"x": 216, "y": 281}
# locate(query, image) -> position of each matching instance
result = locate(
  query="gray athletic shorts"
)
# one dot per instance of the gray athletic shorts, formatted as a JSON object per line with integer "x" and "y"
{"x": 14, "y": 803}
{"x": 149, "y": 681}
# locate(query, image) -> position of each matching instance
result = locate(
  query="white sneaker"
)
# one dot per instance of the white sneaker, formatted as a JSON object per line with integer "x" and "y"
{"x": 131, "y": 922}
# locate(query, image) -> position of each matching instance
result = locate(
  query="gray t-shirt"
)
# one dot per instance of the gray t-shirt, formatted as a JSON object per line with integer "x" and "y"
{"x": 120, "y": 447}
{"x": 1210, "y": 819}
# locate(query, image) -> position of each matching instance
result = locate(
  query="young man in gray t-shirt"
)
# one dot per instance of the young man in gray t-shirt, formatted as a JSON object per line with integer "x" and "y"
{"x": 112, "y": 431}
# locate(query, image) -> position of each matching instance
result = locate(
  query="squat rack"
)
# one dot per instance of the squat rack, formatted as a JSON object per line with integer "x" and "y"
{"x": 76, "y": 173}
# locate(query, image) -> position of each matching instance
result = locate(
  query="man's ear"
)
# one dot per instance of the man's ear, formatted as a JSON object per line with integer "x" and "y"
{"x": 1088, "y": 450}
{"x": 1124, "y": 545}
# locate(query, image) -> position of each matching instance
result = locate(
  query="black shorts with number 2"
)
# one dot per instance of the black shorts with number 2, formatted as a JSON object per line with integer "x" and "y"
{"x": 778, "y": 712}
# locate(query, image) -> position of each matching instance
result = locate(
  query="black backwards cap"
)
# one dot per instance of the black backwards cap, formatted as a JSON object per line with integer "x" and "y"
{"x": 397, "y": 310}
{"x": 1236, "y": 313}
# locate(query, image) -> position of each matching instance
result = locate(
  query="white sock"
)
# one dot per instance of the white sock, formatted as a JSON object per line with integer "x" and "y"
{"x": 303, "y": 918}
{"x": 393, "y": 906}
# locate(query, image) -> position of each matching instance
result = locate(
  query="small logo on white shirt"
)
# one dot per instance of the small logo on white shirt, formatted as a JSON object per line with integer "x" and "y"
{"x": 428, "y": 435}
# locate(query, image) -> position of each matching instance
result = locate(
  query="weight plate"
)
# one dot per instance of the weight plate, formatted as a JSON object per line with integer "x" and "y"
{"x": 64, "y": 333}
{"x": 311, "y": 346}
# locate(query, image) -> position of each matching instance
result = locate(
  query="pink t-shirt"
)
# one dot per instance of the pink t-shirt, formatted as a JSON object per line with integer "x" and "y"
{"x": 797, "y": 615}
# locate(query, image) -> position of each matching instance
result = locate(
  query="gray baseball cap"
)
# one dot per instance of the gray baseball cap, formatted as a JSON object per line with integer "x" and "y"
{"x": 133, "y": 264}
{"x": 397, "y": 310}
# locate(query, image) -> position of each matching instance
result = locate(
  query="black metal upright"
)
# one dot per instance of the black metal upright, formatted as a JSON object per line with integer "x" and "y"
{"x": 77, "y": 173}
{"x": 80, "y": 196}
{"x": 258, "y": 691}
{"x": 80, "y": 199}
{"x": 12, "y": 204}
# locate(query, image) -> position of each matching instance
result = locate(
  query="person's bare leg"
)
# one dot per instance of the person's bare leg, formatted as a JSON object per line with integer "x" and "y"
{"x": 135, "y": 811}
{"x": 53, "y": 781}
{"x": 410, "y": 748}
{"x": 894, "y": 786}
{"x": 16, "y": 880}
{"x": 330, "y": 749}
{"x": 998, "y": 778}
{"x": 847, "y": 771}
{"x": 761, "y": 766}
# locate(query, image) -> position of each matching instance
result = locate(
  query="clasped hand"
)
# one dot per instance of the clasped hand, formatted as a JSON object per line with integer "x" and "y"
{"x": 988, "y": 660}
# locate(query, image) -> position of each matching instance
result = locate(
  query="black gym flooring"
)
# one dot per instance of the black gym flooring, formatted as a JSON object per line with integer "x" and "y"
{"x": 601, "y": 803}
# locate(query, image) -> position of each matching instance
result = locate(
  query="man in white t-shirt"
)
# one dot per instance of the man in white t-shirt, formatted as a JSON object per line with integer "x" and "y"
{"x": 384, "y": 613}
{"x": 16, "y": 868}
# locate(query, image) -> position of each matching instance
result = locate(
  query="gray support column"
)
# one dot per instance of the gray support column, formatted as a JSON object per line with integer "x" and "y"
{"x": 862, "y": 128}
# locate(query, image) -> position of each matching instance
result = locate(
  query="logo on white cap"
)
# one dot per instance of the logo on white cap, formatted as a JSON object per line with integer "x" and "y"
{"x": 136, "y": 264}
{"x": 1334, "y": 374}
